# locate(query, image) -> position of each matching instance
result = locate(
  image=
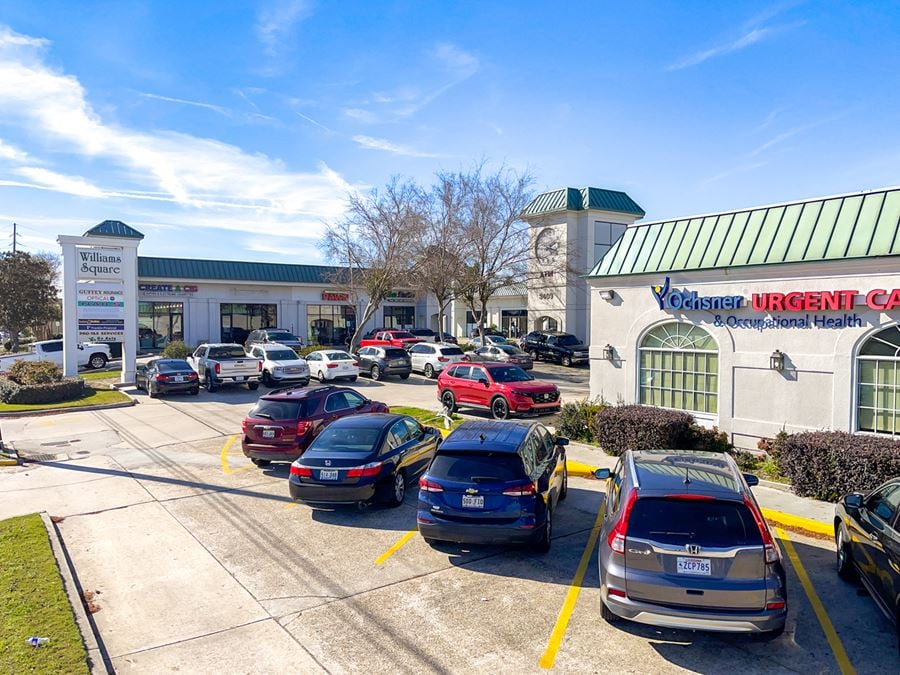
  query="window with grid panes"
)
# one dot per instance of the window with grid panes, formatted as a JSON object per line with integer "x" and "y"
{"x": 679, "y": 368}
{"x": 878, "y": 381}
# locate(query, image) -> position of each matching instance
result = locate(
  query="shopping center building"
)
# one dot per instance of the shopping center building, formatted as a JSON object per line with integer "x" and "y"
{"x": 757, "y": 320}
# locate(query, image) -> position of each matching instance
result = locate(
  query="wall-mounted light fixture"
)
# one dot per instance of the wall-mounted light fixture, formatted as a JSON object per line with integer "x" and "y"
{"x": 776, "y": 361}
{"x": 608, "y": 352}
{"x": 607, "y": 295}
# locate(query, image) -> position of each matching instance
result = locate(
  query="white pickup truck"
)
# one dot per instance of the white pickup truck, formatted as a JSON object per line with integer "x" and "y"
{"x": 90, "y": 355}
{"x": 219, "y": 364}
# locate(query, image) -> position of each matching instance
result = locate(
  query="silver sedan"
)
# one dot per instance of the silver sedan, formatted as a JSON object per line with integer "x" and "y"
{"x": 502, "y": 354}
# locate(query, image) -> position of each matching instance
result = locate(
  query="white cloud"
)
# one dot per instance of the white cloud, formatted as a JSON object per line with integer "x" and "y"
{"x": 371, "y": 143}
{"x": 190, "y": 172}
{"x": 460, "y": 62}
{"x": 57, "y": 182}
{"x": 8, "y": 151}
{"x": 11, "y": 38}
{"x": 749, "y": 38}
{"x": 277, "y": 20}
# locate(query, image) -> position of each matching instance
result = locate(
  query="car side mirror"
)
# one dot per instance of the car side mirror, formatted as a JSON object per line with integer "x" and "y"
{"x": 81, "y": 347}
{"x": 562, "y": 440}
{"x": 853, "y": 501}
{"x": 752, "y": 480}
{"x": 602, "y": 474}
{"x": 484, "y": 381}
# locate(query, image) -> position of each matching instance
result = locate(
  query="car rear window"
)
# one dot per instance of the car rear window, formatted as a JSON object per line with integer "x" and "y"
{"x": 347, "y": 439}
{"x": 451, "y": 351}
{"x": 395, "y": 353}
{"x": 691, "y": 521}
{"x": 471, "y": 467}
{"x": 280, "y": 409}
{"x": 339, "y": 356}
{"x": 278, "y": 335}
{"x": 172, "y": 366}
{"x": 227, "y": 353}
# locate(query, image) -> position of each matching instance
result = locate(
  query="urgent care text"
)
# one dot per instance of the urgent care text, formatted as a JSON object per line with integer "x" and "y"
{"x": 809, "y": 301}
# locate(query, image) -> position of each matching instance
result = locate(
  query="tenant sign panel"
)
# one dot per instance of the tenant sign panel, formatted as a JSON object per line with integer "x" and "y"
{"x": 100, "y": 310}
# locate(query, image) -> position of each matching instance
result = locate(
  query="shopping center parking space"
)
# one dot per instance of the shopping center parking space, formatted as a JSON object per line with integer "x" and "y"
{"x": 360, "y": 590}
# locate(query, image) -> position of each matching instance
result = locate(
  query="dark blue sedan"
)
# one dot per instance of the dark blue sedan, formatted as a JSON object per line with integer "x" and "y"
{"x": 494, "y": 483}
{"x": 363, "y": 458}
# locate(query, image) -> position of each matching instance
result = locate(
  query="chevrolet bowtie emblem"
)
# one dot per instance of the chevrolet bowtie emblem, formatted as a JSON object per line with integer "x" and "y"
{"x": 471, "y": 491}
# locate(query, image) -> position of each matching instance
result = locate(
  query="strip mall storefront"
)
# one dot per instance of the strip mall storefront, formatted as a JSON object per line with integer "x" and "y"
{"x": 798, "y": 330}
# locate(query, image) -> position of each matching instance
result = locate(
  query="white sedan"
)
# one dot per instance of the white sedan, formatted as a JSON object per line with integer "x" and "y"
{"x": 280, "y": 364}
{"x": 332, "y": 364}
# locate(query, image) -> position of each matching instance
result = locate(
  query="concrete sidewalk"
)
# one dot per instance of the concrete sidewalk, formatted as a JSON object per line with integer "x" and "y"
{"x": 778, "y": 503}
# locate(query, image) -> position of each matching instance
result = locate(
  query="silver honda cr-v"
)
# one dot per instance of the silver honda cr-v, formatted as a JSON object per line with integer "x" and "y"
{"x": 683, "y": 545}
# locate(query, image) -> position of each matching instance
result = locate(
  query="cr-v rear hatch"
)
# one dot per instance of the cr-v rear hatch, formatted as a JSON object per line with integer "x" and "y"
{"x": 276, "y": 421}
{"x": 695, "y": 551}
{"x": 487, "y": 488}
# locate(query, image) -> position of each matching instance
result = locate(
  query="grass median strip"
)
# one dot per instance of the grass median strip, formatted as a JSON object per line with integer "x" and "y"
{"x": 562, "y": 622}
{"x": 33, "y": 602}
{"x": 837, "y": 647}
{"x": 428, "y": 417}
{"x": 91, "y": 397}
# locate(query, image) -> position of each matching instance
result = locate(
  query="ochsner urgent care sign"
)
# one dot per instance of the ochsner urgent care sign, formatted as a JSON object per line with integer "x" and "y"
{"x": 100, "y": 303}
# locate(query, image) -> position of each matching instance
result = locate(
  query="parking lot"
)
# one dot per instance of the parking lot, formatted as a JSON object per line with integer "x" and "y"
{"x": 202, "y": 562}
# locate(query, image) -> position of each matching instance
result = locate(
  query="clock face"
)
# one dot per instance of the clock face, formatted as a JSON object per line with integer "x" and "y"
{"x": 546, "y": 246}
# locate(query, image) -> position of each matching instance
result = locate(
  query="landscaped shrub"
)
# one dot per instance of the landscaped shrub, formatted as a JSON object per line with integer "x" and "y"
{"x": 638, "y": 427}
{"x": 710, "y": 440}
{"x": 66, "y": 389}
{"x": 34, "y": 372}
{"x": 828, "y": 464}
{"x": 176, "y": 350}
{"x": 577, "y": 419}
{"x": 309, "y": 349}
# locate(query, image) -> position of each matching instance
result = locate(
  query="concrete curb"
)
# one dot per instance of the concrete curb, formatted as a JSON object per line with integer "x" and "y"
{"x": 580, "y": 469}
{"x": 98, "y": 659}
{"x": 58, "y": 411}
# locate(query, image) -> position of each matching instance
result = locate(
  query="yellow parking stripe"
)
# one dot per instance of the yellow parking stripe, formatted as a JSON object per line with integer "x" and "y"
{"x": 562, "y": 622}
{"x": 837, "y": 647}
{"x": 396, "y": 547}
{"x": 223, "y": 458}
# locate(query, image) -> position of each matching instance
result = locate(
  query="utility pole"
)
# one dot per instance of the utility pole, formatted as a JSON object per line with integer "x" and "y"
{"x": 15, "y": 235}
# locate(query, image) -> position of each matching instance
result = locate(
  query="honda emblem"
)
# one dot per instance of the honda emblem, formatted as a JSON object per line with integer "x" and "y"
{"x": 693, "y": 549}
{"x": 327, "y": 462}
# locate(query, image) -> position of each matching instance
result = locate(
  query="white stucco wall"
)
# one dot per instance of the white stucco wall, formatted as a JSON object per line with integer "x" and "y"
{"x": 816, "y": 390}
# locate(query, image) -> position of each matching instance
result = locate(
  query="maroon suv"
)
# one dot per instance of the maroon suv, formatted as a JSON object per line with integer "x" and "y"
{"x": 503, "y": 389}
{"x": 283, "y": 424}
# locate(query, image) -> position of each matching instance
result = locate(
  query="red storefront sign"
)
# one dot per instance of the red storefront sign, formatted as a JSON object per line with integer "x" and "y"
{"x": 879, "y": 299}
{"x": 335, "y": 297}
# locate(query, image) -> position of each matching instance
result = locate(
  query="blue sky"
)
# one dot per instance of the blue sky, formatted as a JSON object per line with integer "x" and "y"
{"x": 236, "y": 129}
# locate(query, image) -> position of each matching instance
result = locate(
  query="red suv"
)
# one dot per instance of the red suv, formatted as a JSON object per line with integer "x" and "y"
{"x": 503, "y": 389}
{"x": 282, "y": 425}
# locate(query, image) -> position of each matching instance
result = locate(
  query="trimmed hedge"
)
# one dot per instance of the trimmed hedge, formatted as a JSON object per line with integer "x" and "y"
{"x": 176, "y": 350}
{"x": 829, "y": 464}
{"x": 638, "y": 427}
{"x": 34, "y": 372}
{"x": 66, "y": 389}
{"x": 577, "y": 419}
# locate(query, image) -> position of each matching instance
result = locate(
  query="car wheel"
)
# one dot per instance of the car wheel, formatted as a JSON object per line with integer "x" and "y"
{"x": 398, "y": 489}
{"x": 210, "y": 383}
{"x": 542, "y": 543}
{"x": 375, "y": 373}
{"x": 449, "y": 401}
{"x": 429, "y": 371}
{"x": 844, "y": 556}
{"x": 354, "y": 378}
{"x": 566, "y": 361}
{"x": 564, "y": 491}
{"x": 261, "y": 462}
{"x": 195, "y": 391}
{"x": 321, "y": 376}
{"x": 404, "y": 376}
{"x": 430, "y": 541}
{"x": 500, "y": 408}
{"x": 606, "y": 614}
{"x": 97, "y": 361}
{"x": 266, "y": 378}
{"x": 152, "y": 393}
{"x": 253, "y": 386}
{"x": 533, "y": 354}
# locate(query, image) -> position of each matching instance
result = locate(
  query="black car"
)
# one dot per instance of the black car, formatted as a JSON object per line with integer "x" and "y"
{"x": 379, "y": 362}
{"x": 487, "y": 331}
{"x": 273, "y": 335}
{"x": 867, "y": 538}
{"x": 361, "y": 458}
{"x": 494, "y": 483}
{"x": 167, "y": 376}
{"x": 424, "y": 333}
{"x": 446, "y": 338}
{"x": 564, "y": 348}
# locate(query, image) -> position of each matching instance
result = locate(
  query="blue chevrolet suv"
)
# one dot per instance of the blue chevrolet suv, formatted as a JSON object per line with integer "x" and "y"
{"x": 494, "y": 483}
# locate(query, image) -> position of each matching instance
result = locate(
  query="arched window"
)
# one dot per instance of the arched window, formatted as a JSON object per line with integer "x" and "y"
{"x": 679, "y": 368}
{"x": 878, "y": 377}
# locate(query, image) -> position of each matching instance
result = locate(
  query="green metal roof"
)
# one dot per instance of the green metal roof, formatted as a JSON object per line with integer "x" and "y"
{"x": 114, "y": 228}
{"x": 575, "y": 199}
{"x": 857, "y": 225}
{"x": 228, "y": 270}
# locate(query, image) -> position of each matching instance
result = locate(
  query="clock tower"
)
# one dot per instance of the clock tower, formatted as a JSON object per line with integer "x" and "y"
{"x": 570, "y": 229}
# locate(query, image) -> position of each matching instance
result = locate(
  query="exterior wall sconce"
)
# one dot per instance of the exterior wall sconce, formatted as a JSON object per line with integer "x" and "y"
{"x": 607, "y": 295}
{"x": 776, "y": 361}
{"x": 608, "y": 351}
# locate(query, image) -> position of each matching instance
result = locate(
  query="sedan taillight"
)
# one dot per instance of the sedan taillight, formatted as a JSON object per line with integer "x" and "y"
{"x": 303, "y": 471}
{"x": 332, "y": 365}
{"x": 443, "y": 359}
{"x": 372, "y": 469}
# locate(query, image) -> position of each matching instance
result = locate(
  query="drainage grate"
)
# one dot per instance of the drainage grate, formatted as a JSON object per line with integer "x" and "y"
{"x": 37, "y": 457}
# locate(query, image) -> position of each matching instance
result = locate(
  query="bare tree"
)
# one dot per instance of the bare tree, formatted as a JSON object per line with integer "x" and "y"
{"x": 498, "y": 245}
{"x": 375, "y": 245}
{"x": 439, "y": 268}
